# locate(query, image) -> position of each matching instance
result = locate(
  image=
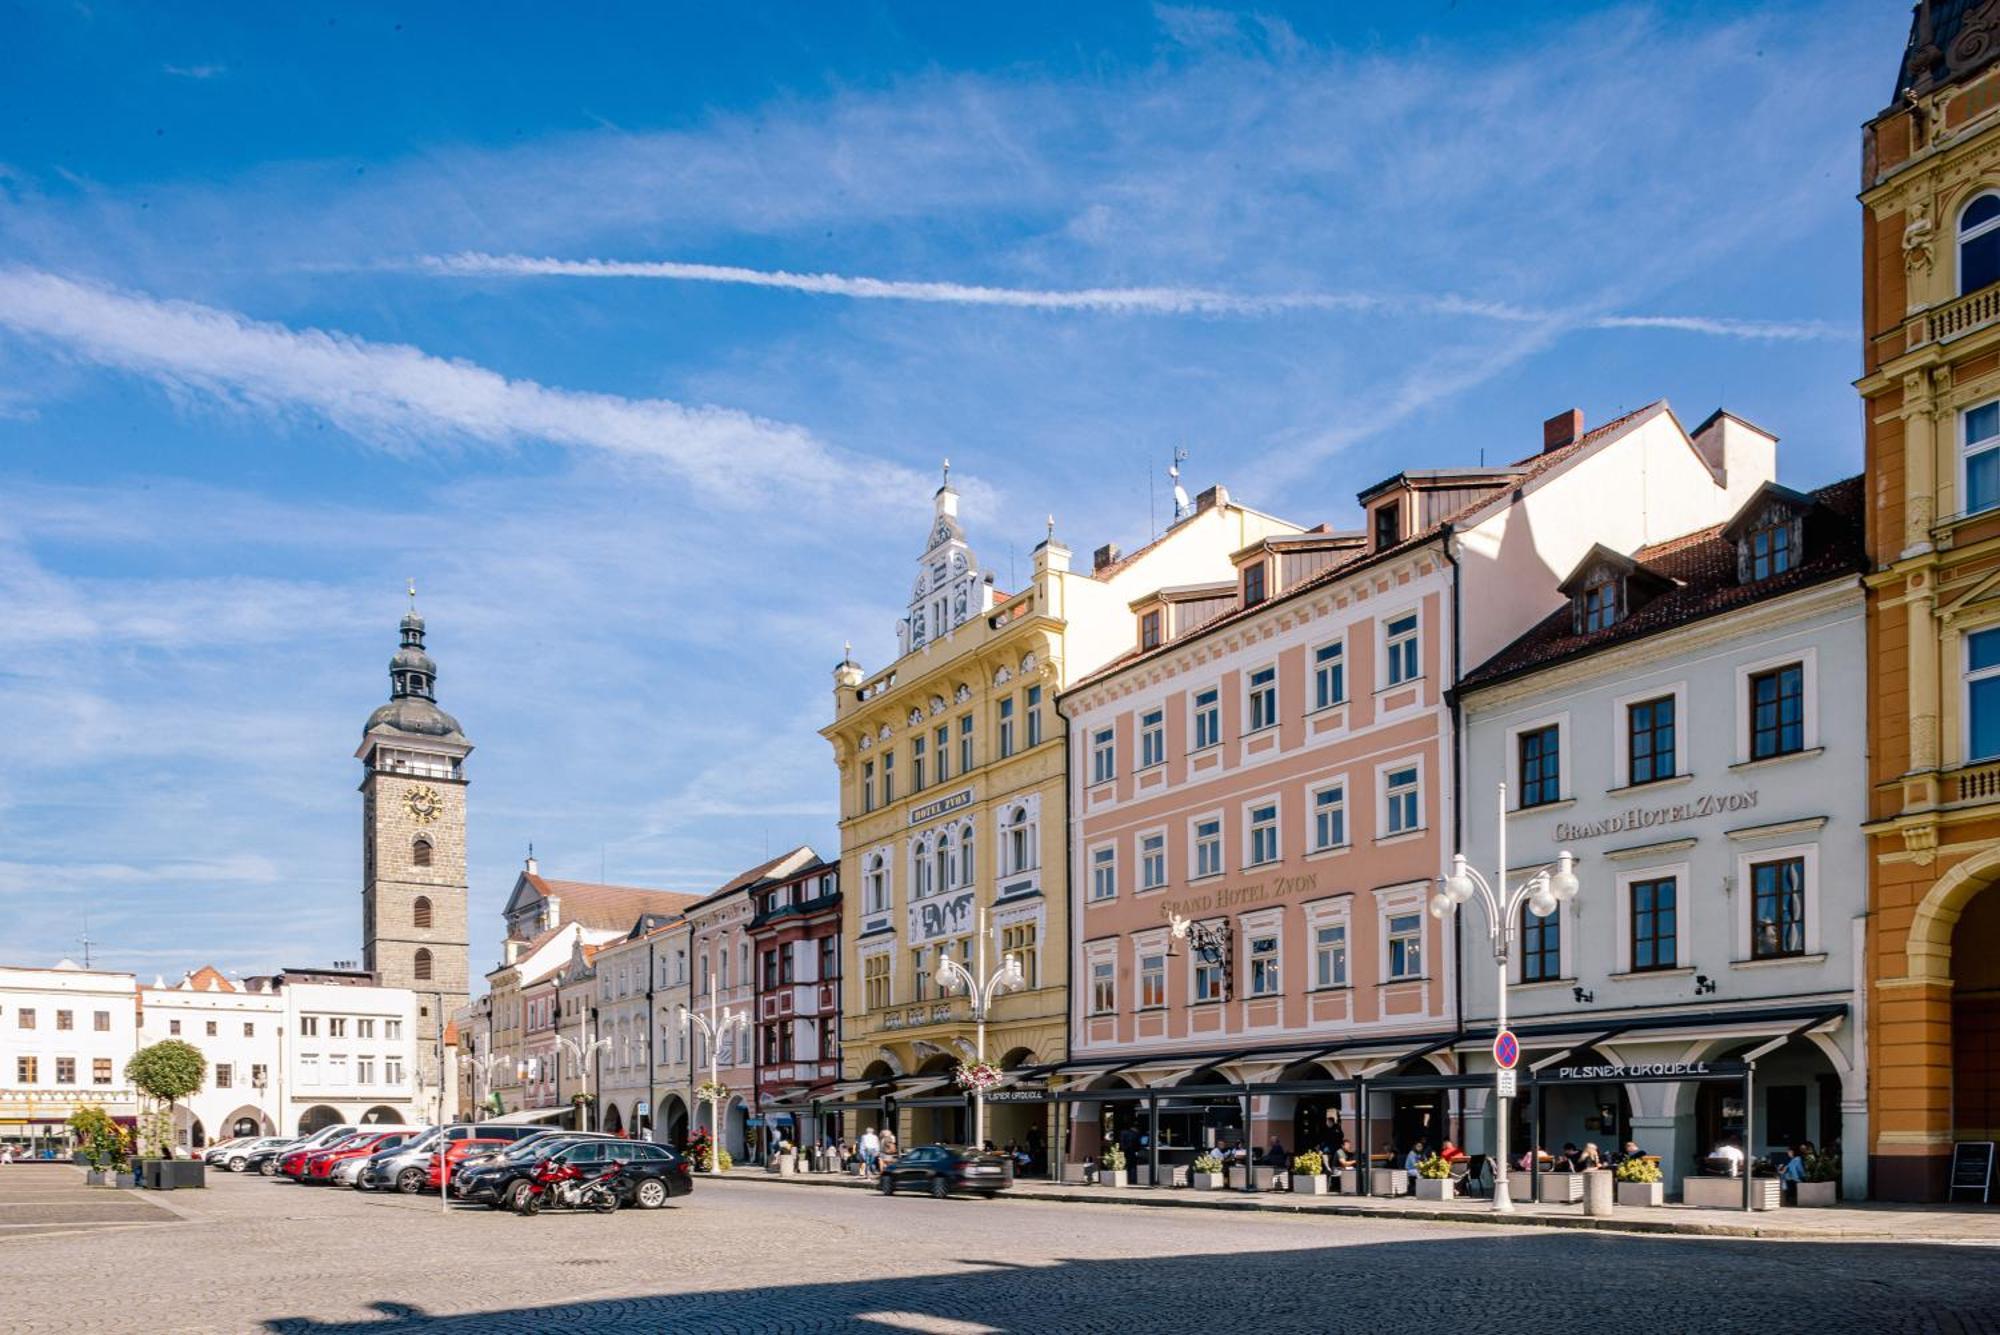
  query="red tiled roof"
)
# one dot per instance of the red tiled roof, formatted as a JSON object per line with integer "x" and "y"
{"x": 1702, "y": 568}
{"x": 762, "y": 871}
{"x": 605, "y": 907}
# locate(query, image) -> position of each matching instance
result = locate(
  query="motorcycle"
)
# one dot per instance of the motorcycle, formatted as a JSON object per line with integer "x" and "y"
{"x": 570, "y": 1187}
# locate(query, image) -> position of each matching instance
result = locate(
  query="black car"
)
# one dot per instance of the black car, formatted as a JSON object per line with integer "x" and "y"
{"x": 943, "y": 1169}
{"x": 653, "y": 1174}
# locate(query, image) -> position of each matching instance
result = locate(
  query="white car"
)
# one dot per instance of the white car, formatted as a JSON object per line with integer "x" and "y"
{"x": 235, "y": 1156}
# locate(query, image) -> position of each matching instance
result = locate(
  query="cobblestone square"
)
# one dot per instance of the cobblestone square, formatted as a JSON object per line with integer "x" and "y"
{"x": 251, "y": 1254}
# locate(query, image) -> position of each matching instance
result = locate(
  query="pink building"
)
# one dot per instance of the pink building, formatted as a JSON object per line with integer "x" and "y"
{"x": 1273, "y": 766}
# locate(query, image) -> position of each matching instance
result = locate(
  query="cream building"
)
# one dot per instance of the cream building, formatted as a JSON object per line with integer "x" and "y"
{"x": 65, "y": 1036}
{"x": 951, "y": 777}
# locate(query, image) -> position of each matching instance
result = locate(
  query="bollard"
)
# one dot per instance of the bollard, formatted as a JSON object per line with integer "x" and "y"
{"x": 1597, "y": 1191}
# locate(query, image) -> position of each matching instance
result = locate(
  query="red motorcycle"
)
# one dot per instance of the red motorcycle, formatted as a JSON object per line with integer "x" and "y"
{"x": 563, "y": 1186}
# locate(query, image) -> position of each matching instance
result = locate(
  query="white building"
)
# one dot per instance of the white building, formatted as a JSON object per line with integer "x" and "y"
{"x": 65, "y": 1036}
{"x": 641, "y": 984}
{"x": 293, "y": 1052}
{"x": 1691, "y": 725}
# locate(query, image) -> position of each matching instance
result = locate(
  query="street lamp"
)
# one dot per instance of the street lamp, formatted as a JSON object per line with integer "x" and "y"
{"x": 482, "y": 1070}
{"x": 582, "y": 1053}
{"x": 1545, "y": 891}
{"x": 714, "y": 1026}
{"x": 953, "y": 977}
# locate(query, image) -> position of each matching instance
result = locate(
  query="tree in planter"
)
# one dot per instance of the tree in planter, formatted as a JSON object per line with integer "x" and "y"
{"x": 167, "y": 1072}
{"x": 102, "y": 1140}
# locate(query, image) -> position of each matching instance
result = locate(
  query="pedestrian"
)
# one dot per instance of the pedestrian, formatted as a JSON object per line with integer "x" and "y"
{"x": 871, "y": 1151}
{"x": 6, "y": 1154}
{"x": 889, "y": 1144}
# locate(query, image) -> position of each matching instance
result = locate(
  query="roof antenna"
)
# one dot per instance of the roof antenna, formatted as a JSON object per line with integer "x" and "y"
{"x": 413, "y": 593}
{"x": 1181, "y": 507}
{"x": 85, "y": 941}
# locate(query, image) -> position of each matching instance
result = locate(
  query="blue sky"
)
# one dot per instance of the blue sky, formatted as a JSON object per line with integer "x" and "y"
{"x": 637, "y": 339}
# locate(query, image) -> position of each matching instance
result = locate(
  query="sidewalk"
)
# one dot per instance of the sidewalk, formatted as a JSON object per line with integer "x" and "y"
{"x": 1863, "y": 1222}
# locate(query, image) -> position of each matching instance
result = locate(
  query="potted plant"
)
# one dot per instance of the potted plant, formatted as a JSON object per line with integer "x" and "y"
{"x": 1636, "y": 1181}
{"x": 1821, "y": 1186}
{"x": 1433, "y": 1179}
{"x": 1111, "y": 1168}
{"x": 1309, "y": 1174}
{"x": 101, "y": 1142}
{"x": 1208, "y": 1171}
{"x": 167, "y": 1072}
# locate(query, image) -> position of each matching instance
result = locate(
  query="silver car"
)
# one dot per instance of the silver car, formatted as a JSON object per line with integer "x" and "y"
{"x": 405, "y": 1168}
{"x": 235, "y": 1156}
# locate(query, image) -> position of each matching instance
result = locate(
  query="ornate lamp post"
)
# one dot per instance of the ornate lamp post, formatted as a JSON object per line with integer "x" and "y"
{"x": 581, "y": 1052}
{"x": 953, "y": 977}
{"x": 1545, "y": 891}
{"x": 482, "y": 1071}
{"x": 714, "y": 1026}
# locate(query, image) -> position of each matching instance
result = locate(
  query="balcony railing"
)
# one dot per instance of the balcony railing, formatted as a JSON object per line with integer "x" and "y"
{"x": 1955, "y": 319}
{"x": 1977, "y": 783}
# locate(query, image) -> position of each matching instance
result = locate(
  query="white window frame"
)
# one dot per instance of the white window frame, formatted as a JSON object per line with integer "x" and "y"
{"x": 1253, "y": 927}
{"x": 1152, "y": 737}
{"x": 1195, "y": 965}
{"x": 1966, "y": 678}
{"x": 1149, "y": 945}
{"x": 1566, "y": 774}
{"x": 1962, "y": 234}
{"x": 1146, "y": 884}
{"x": 1621, "y": 732}
{"x": 1392, "y": 902}
{"x": 1313, "y": 792}
{"x": 1966, "y": 448}
{"x": 1807, "y": 657}
{"x": 1250, "y": 726}
{"x": 1103, "y": 754}
{"x": 1195, "y": 873}
{"x": 1105, "y": 959}
{"x": 1249, "y": 810}
{"x": 1330, "y": 921}
{"x": 1386, "y": 642}
{"x": 1195, "y": 712}
{"x": 1680, "y": 872}
{"x": 1382, "y": 773}
{"x": 1339, "y": 642}
{"x": 1565, "y": 940}
{"x": 1103, "y": 865}
{"x": 1746, "y": 901}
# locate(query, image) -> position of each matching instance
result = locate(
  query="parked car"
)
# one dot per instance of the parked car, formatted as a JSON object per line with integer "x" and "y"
{"x": 320, "y": 1165}
{"x": 448, "y": 1160}
{"x": 208, "y": 1153}
{"x": 541, "y": 1136}
{"x": 494, "y": 1179}
{"x": 299, "y": 1158}
{"x": 274, "y": 1164}
{"x": 235, "y": 1156}
{"x": 943, "y": 1169}
{"x": 348, "y": 1163}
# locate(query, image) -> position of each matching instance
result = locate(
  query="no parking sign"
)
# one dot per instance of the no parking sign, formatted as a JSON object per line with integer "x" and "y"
{"x": 1506, "y": 1050}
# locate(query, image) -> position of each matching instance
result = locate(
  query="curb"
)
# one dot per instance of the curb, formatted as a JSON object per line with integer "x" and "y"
{"x": 1652, "y": 1227}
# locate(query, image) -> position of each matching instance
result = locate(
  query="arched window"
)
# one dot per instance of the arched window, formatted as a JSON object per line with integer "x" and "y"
{"x": 875, "y": 886}
{"x": 423, "y": 970}
{"x": 1979, "y": 244}
{"x": 945, "y": 866}
{"x": 1017, "y": 842}
{"x": 420, "y": 912}
{"x": 420, "y": 852}
{"x": 965, "y": 855}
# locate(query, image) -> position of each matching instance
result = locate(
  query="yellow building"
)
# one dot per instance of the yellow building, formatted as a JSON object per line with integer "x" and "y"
{"x": 952, "y": 781}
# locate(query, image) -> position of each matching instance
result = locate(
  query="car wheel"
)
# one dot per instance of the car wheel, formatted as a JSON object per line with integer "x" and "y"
{"x": 238, "y": 1164}
{"x": 411, "y": 1181}
{"x": 267, "y": 1169}
{"x": 650, "y": 1194}
{"x": 940, "y": 1188}
{"x": 887, "y": 1186}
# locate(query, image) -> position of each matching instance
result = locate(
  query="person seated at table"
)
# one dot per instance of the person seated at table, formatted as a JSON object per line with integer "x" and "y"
{"x": 1589, "y": 1159}
{"x": 1795, "y": 1167}
{"x": 1342, "y": 1156}
{"x": 1728, "y": 1158}
{"x": 1631, "y": 1151}
{"x": 1566, "y": 1161}
{"x": 1412, "y": 1159}
{"x": 1526, "y": 1163}
{"x": 1451, "y": 1153}
{"x": 1275, "y": 1157}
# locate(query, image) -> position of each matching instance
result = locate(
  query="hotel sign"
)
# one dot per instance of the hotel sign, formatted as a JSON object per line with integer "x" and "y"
{"x": 1649, "y": 818}
{"x": 1240, "y": 896}
{"x": 932, "y": 810}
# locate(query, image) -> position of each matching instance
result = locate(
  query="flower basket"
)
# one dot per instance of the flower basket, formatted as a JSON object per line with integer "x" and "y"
{"x": 1206, "y": 1172}
{"x": 976, "y": 1077}
{"x": 1111, "y": 1168}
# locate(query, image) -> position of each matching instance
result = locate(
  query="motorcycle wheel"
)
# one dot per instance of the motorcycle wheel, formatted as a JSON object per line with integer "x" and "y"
{"x": 529, "y": 1205}
{"x": 516, "y": 1194}
{"x": 604, "y": 1202}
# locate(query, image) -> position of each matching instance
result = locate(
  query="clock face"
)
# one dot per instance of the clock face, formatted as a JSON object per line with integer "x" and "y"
{"x": 423, "y": 803}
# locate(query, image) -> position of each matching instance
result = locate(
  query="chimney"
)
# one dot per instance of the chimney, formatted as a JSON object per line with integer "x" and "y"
{"x": 1214, "y": 498}
{"x": 1104, "y": 556}
{"x": 1562, "y": 429}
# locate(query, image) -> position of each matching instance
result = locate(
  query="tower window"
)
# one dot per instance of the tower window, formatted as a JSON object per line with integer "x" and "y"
{"x": 420, "y": 912}
{"x": 423, "y": 965}
{"x": 420, "y": 852}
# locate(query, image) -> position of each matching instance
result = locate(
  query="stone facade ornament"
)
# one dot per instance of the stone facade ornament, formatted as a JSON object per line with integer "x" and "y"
{"x": 1918, "y": 237}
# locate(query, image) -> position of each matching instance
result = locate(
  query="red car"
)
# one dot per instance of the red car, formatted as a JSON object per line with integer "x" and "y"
{"x": 456, "y": 1151}
{"x": 293, "y": 1165}
{"x": 321, "y": 1164}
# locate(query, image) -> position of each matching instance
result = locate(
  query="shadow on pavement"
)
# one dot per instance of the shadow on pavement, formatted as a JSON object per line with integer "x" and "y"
{"x": 1579, "y": 1282}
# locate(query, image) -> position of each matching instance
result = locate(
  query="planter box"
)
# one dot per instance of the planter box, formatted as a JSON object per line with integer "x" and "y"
{"x": 1270, "y": 1179}
{"x": 188, "y": 1173}
{"x": 1640, "y": 1193}
{"x": 1817, "y": 1194}
{"x": 1076, "y": 1172}
{"x": 1388, "y": 1182}
{"x": 788, "y": 1165}
{"x": 98, "y": 1177}
{"x": 1174, "y": 1174}
{"x": 1433, "y": 1188}
{"x": 1560, "y": 1188}
{"x": 1350, "y": 1181}
{"x": 148, "y": 1172}
{"x": 1314, "y": 1184}
{"x": 1726, "y": 1193}
{"x": 1113, "y": 1177}
{"x": 1209, "y": 1181}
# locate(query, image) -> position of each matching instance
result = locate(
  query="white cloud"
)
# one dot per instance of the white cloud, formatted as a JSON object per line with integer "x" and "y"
{"x": 198, "y": 72}
{"x": 401, "y": 395}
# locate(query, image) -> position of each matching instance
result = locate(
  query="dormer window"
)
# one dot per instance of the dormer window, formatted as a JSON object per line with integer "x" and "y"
{"x": 1253, "y": 584}
{"x": 1388, "y": 526}
{"x": 1149, "y": 631}
{"x": 1769, "y": 549}
{"x": 1597, "y": 606}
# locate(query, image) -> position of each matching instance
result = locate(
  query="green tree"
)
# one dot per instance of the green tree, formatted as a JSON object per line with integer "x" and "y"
{"x": 100, "y": 1137}
{"x": 167, "y": 1072}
